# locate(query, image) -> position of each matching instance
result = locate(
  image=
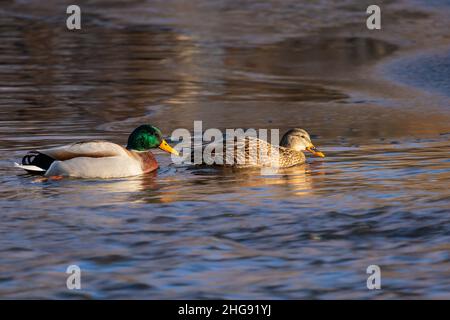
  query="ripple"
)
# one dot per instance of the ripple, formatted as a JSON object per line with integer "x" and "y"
{"x": 429, "y": 71}
{"x": 379, "y": 197}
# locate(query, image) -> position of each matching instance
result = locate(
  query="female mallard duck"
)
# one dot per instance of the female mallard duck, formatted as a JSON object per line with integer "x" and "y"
{"x": 99, "y": 158}
{"x": 253, "y": 152}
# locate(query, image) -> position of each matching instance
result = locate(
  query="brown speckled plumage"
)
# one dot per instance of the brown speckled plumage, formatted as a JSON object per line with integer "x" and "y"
{"x": 253, "y": 152}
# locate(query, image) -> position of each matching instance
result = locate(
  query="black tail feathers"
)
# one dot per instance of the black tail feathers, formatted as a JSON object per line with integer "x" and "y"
{"x": 37, "y": 159}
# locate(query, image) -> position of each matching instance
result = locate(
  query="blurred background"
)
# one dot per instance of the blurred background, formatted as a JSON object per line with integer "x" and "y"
{"x": 375, "y": 101}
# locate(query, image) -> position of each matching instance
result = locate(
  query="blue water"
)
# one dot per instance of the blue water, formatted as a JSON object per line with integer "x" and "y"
{"x": 380, "y": 196}
{"x": 431, "y": 71}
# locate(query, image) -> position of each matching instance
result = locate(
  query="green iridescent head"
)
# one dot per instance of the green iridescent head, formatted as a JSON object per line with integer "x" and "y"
{"x": 146, "y": 137}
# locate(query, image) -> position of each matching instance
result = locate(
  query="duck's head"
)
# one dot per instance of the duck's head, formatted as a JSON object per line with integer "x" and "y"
{"x": 146, "y": 137}
{"x": 299, "y": 140}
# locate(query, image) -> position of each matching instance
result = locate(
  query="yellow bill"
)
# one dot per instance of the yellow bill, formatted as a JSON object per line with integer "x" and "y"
{"x": 165, "y": 146}
{"x": 315, "y": 152}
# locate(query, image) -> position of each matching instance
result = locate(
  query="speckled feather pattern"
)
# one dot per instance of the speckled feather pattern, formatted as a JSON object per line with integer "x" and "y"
{"x": 251, "y": 152}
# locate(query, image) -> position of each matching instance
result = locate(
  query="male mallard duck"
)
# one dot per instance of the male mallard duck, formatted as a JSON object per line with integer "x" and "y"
{"x": 253, "y": 152}
{"x": 99, "y": 158}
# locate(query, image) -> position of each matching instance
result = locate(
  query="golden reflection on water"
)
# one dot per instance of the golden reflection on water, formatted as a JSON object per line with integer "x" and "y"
{"x": 380, "y": 196}
{"x": 193, "y": 184}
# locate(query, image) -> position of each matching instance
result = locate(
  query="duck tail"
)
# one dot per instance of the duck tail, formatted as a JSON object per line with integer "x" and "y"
{"x": 29, "y": 168}
{"x": 35, "y": 162}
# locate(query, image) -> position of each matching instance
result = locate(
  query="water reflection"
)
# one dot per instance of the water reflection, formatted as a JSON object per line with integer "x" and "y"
{"x": 310, "y": 56}
{"x": 379, "y": 197}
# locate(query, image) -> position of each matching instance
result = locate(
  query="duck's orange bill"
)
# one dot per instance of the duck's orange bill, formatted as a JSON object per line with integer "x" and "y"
{"x": 315, "y": 152}
{"x": 165, "y": 146}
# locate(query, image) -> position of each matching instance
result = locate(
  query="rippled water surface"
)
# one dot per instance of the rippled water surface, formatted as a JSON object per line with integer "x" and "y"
{"x": 381, "y": 196}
